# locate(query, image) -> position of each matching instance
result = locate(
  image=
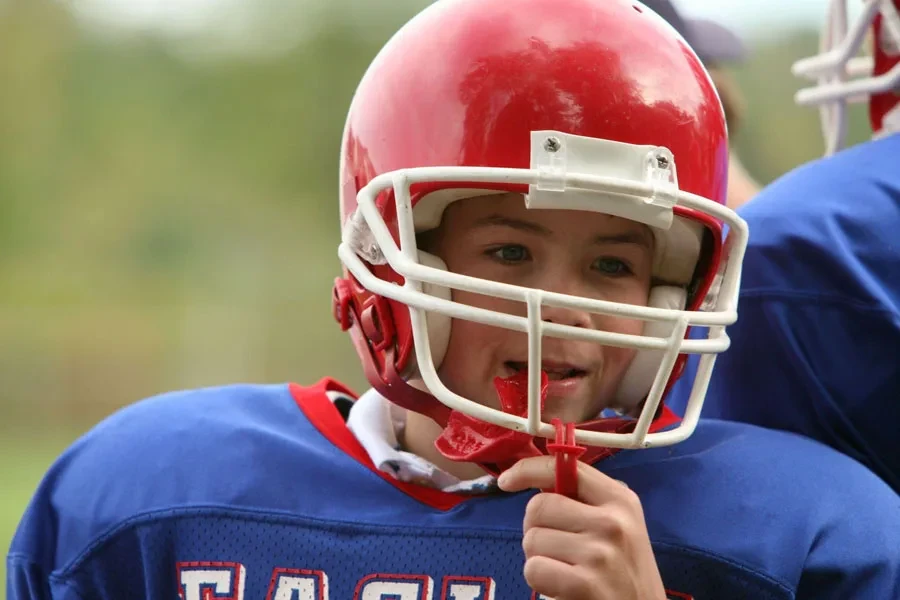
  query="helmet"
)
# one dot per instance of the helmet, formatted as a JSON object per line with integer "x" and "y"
{"x": 842, "y": 77}
{"x": 593, "y": 105}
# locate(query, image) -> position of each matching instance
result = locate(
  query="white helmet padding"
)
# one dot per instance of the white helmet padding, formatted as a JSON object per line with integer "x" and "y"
{"x": 638, "y": 379}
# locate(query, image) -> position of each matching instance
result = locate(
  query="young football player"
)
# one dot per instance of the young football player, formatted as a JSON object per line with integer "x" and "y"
{"x": 532, "y": 203}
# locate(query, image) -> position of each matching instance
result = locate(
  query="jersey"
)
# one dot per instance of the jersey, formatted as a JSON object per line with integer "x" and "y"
{"x": 262, "y": 492}
{"x": 816, "y": 345}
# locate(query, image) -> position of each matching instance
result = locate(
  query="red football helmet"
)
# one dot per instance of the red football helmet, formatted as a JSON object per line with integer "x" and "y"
{"x": 580, "y": 104}
{"x": 843, "y": 77}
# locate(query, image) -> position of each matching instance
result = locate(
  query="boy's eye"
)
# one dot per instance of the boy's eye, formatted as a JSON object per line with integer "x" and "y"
{"x": 511, "y": 253}
{"x": 611, "y": 266}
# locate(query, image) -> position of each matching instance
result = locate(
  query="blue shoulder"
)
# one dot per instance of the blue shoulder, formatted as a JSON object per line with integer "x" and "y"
{"x": 835, "y": 217}
{"x": 819, "y": 310}
{"x": 208, "y": 447}
{"x": 776, "y": 504}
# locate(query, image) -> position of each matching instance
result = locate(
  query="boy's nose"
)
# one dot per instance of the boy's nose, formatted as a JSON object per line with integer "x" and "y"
{"x": 566, "y": 316}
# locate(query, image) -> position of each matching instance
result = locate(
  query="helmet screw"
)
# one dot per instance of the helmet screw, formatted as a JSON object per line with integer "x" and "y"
{"x": 551, "y": 144}
{"x": 662, "y": 162}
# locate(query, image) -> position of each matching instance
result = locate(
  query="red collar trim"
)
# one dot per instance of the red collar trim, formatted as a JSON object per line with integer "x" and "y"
{"x": 320, "y": 411}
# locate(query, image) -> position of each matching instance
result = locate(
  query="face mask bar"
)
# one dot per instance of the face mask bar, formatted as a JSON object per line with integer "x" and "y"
{"x": 367, "y": 236}
{"x": 843, "y": 77}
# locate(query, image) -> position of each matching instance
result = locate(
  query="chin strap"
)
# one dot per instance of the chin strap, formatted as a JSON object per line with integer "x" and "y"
{"x": 496, "y": 448}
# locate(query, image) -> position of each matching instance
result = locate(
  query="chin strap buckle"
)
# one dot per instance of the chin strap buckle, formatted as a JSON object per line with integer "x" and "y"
{"x": 567, "y": 453}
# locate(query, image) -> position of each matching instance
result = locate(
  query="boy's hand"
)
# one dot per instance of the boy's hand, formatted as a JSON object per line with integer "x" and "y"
{"x": 593, "y": 548}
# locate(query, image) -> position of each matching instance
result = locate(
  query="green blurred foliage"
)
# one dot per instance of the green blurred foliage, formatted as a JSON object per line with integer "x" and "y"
{"x": 165, "y": 223}
{"x": 168, "y": 211}
{"x": 778, "y": 135}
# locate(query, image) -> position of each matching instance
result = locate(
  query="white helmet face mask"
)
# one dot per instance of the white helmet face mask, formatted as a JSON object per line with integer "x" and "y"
{"x": 842, "y": 76}
{"x": 567, "y": 172}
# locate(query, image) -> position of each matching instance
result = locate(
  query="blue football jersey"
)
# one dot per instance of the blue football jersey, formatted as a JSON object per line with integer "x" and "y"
{"x": 816, "y": 348}
{"x": 262, "y": 492}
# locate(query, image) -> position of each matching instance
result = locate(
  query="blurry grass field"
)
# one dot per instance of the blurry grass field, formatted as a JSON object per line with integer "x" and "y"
{"x": 23, "y": 461}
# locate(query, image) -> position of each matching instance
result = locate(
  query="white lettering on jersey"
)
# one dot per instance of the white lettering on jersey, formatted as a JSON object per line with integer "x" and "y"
{"x": 211, "y": 580}
{"x": 467, "y": 588}
{"x": 310, "y": 585}
{"x": 208, "y": 579}
{"x": 394, "y": 587}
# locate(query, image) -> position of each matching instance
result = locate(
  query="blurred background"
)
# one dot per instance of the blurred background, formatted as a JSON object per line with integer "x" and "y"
{"x": 168, "y": 205}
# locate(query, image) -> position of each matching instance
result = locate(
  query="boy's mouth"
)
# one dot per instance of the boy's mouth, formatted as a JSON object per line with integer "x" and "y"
{"x": 555, "y": 371}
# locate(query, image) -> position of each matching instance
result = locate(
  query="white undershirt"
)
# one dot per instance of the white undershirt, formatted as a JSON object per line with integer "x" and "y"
{"x": 378, "y": 425}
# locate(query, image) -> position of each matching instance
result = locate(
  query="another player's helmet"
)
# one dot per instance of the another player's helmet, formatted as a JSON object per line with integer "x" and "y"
{"x": 843, "y": 77}
{"x": 577, "y": 104}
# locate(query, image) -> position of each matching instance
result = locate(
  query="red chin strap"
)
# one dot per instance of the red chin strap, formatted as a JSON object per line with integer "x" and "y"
{"x": 496, "y": 448}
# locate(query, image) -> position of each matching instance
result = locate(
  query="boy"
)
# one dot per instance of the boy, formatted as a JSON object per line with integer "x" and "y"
{"x": 532, "y": 195}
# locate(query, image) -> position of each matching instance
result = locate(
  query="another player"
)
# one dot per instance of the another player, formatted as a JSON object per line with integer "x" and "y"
{"x": 532, "y": 204}
{"x": 817, "y": 347}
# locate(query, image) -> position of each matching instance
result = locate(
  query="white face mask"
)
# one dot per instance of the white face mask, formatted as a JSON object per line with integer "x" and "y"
{"x": 571, "y": 172}
{"x": 842, "y": 76}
